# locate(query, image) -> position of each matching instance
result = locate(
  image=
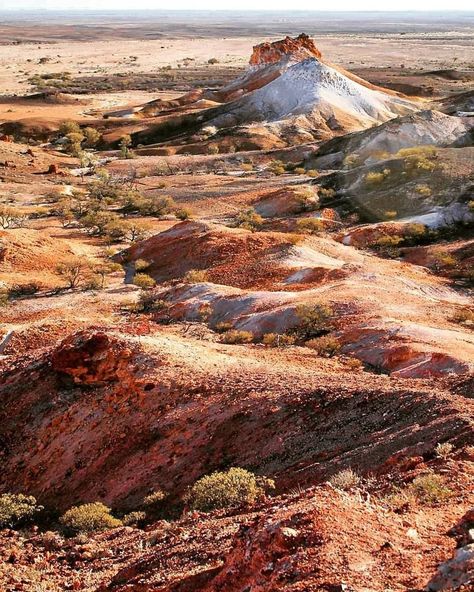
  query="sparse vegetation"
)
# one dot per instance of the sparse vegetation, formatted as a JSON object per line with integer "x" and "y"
{"x": 326, "y": 345}
{"x": 345, "y": 480}
{"x": 310, "y": 225}
{"x": 17, "y": 509}
{"x": 249, "y": 219}
{"x": 313, "y": 320}
{"x": 228, "y": 489}
{"x": 444, "y": 449}
{"x": 234, "y": 336}
{"x": 87, "y": 518}
{"x": 143, "y": 281}
{"x": 278, "y": 340}
{"x": 195, "y": 276}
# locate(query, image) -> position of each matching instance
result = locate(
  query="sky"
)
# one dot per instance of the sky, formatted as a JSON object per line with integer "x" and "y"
{"x": 429, "y": 5}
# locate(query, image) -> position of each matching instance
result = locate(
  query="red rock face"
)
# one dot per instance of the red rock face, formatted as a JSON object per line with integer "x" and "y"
{"x": 301, "y": 47}
{"x": 92, "y": 359}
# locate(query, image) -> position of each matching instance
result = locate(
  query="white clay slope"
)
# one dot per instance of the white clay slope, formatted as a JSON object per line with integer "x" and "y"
{"x": 313, "y": 89}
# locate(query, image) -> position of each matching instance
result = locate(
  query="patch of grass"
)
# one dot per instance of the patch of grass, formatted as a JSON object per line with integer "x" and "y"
{"x": 345, "y": 480}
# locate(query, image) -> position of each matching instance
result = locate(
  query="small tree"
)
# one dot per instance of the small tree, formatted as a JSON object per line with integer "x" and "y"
{"x": 73, "y": 271}
{"x": 91, "y": 137}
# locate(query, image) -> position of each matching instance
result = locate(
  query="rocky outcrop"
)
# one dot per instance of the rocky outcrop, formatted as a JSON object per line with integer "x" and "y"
{"x": 92, "y": 359}
{"x": 300, "y": 47}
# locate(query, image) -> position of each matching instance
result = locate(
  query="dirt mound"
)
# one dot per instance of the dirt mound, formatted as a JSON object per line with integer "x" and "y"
{"x": 230, "y": 256}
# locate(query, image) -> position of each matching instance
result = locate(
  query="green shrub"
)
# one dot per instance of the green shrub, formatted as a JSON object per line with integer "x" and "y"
{"x": 345, "y": 480}
{"x": 313, "y": 320}
{"x": 143, "y": 281}
{"x": 86, "y": 518}
{"x": 235, "y": 336}
{"x": 326, "y": 346}
{"x": 278, "y": 340}
{"x": 16, "y": 509}
{"x": 229, "y": 489}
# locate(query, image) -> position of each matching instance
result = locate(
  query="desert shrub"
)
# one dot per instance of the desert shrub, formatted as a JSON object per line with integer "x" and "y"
{"x": 351, "y": 160}
{"x": 93, "y": 282}
{"x": 154, "y": 498}
{"x": 12, "y": 217}
{"x": 213, "y": 61}
{"x": 445, "y": 260}
{"x": 470, "y": 205}
{"x": 234, "y": 336}
{"x": 147, "y": 302}
{"x": 247, "y": 166}
{"x": 326, "y": 345}
{"x": 75, "y": 140}
{"x": 3, "y": 297}
{"x": 306, "y": 199}
{"x": 388, "y": 241}
{"x": 429, "y": 489}
{"x": 143, "y": 281}
{"x": 213, "y": 149}
{"x": 390, "y": 214}
{"x": 464, "y": 316}
{"x": 312, "y": 173}
{"x": 376, "y": 178}
{"x": 327, "y": 192}
{"x": 91, "y": 137}
{"x": 354, "y": 363}
{"x": 277, "y": 167}
{"x": 195, "y": 276}
{"x": 294, "y": 238}
{"x": 423, "y": 190}
{"x": 27, "y": 289}
{"x": 223, "y": 326}
{"x": 141, "y": 265}
{"x": 310, "y": 225}
{"x": 278, "y": 340}
{"x": 69, "y": 127}
{"x": 228, "y": 489}
{"x": 299, "y": 170}
{"x": 345, "y": 480}
{"x": 16, "y": 509}
{"x": 313, "y": 320}
{"x": 86, "y": 518}
{"x": 124, "y": 145}
{"x": 73, "y": 271}
{"x": 416, "y": 229}
{"x": 418, "y": 158}
{"x": 136, "y": 518}
{"x": 443, "y": 449}
{"x": 183, "y": 214}
{"x": 249, "y": 219}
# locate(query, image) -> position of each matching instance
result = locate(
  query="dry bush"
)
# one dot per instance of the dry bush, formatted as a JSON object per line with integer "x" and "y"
{"x": 136, "y": 518}
{"x": 464, "y": 316}
{"x": 443, "y": 450}
{"x": 223, "y": 326}
{"x": 87, "y": 518}
{"x": 312, "y": 173}
{"x": 143, "y": 281}
{"x": 249, "y": 219}
{"x": 345, "y": 480}
{"x": 195, "y": 276}
{"x": 423, "y": 190}
{"x": 313, "y": 320}
{"x": 229, "y": 489}
{"x": 310, "y": 225}
{"x": 325, "y": 346}
{"x": 16, "y": 509}
{"x": 141, "y": 264}
{"x": 278, "y": 340}
{"x": 234, "y": 336}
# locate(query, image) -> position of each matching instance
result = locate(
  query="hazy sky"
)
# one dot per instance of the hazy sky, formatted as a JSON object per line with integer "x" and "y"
{"x": 237, "y": 4}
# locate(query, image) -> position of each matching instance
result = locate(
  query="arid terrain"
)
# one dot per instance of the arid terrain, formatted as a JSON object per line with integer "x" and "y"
{"x": 236, "y": 314}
